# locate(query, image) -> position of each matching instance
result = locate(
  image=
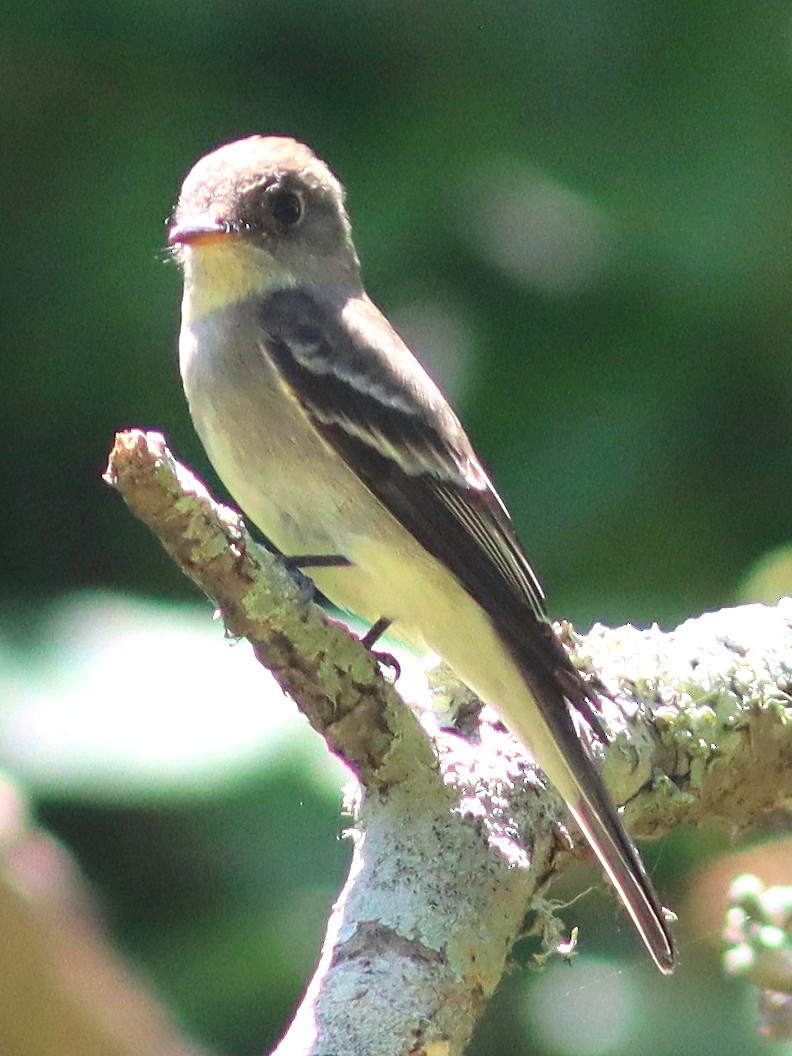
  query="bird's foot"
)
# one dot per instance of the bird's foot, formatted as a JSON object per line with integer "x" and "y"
{"x": 372, "y": 636}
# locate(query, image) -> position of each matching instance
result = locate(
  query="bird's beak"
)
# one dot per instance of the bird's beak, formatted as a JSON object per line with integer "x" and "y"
{"x": 201, "y": 231}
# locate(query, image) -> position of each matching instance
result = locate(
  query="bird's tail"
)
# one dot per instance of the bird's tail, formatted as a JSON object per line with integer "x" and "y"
{"x": 602, "y": 827}
{"x": 547, "y": 725}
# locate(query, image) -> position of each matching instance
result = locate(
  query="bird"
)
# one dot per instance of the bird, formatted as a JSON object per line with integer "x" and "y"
{"x": 328, "y": 432}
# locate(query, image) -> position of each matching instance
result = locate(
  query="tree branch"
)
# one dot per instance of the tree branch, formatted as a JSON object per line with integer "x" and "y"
{"x": 456, "y": 833}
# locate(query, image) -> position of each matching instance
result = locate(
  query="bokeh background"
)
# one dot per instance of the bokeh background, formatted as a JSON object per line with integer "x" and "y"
{"x": 580, "y": 213}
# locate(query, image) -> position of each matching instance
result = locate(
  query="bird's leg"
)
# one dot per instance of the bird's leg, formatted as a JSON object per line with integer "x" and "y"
{"x": 375, "y": 632}
{"x": 300, "y": 561}
{"x": 372, "y": 636}
{"x": 297, "y": 562}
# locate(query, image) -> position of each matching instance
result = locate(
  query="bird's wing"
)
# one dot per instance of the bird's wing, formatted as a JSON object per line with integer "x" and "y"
{"x": 369, "y": 398}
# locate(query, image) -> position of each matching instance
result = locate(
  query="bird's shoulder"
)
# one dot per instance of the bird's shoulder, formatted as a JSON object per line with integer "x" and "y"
{"x": 348, "y": 365}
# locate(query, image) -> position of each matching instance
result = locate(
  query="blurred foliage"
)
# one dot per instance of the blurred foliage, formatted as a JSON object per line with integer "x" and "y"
{"x": 578, "y": 211}
{"x": 223, "y": 901}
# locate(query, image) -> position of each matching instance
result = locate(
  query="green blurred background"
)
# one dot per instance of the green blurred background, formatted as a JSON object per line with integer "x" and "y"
{"x": 580, "y": 213}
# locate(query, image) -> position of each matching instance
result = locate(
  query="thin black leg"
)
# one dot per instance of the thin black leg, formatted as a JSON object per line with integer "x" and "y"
{"x": 372, "y": 635}
{"x": 375, "y": 632}
{"x": 317, "y": 561}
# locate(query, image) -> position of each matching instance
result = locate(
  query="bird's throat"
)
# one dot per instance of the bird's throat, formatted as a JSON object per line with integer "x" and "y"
{"x": 217, "y": 275}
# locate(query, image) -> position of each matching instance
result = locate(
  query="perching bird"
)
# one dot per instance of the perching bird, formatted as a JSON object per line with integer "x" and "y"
{"x": 336, "y": 443}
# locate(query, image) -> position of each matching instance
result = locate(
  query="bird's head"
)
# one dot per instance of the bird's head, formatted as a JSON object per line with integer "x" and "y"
{"x": 261, "y": 213}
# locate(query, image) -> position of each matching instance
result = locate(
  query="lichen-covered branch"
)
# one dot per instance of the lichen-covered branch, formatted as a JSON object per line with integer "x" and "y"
{"x": 456, "y": 835}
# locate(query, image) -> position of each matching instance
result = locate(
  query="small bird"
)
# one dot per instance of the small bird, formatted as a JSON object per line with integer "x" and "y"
{"x": 333, "y": 439}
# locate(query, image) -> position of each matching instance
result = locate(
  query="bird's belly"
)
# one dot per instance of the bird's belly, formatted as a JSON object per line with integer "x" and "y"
{"x": 296, "y": 488}
{"x": 290, "y": 491}
{"x": 306, "y": 500}
{"x": 276, "y": 467}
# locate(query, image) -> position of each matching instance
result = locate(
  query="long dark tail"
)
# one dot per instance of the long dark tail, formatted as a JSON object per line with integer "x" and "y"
{"x": 548, "y": 730}
{"x": 566, "y": 761}
{"x": 577, "y": 778}
{"x": 618, "y": 856}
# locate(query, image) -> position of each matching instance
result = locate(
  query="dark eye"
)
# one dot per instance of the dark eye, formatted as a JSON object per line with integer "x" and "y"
{"x": 287, "y": 208}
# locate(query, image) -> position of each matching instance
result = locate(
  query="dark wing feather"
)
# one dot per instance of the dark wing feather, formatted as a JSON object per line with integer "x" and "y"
{"x": 370, "y": 400}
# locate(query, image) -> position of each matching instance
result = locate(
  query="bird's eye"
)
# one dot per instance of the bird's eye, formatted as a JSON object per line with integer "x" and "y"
{"x": 287, "y": 208}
